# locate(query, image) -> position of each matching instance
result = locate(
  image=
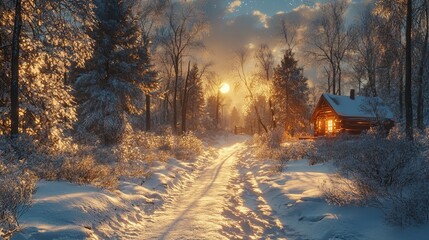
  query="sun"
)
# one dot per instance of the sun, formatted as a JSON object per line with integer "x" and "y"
{"x": 224, "y": 88}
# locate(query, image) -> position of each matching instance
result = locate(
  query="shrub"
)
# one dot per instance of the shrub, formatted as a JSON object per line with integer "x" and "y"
{"x": 138, "y": 150}
{"x": 86, "y": 170}
{"x": 268, "y": 146}
{"x": 383, "y": 172}
{"x": 16, "y": 190}
{"x": 187, "y": 147}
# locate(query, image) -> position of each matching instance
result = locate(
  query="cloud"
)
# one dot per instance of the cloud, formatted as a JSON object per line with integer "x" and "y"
{"x": 233, "y": 5}
{"x": 262, "y": 17}
{"x": 231, "y": 32}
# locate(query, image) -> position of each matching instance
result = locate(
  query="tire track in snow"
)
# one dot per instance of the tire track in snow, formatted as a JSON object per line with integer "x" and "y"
{"x": 251, "y": 215}
{"x": 195, "y": 212}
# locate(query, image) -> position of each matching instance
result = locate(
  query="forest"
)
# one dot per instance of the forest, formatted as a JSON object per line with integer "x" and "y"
{"x": 93, "y": 91}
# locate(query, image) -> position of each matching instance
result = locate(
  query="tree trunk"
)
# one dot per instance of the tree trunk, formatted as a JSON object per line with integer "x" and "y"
{"x": 371, "y": 79}
{"x": 420, "y": 99}
{"x": 147, "y": 112}
{"x": 334, "y": 78}
{"x": 14, "y": 88}
{"x": 273, "y": 113}
{"x": 185, "y": 102}
{"x": 217, "y": 110}
{"x": 401, "y": 90}
{"x": 339, "y": 79}
{"x": 176, "y": 80}
{"x": 408, "y": 75}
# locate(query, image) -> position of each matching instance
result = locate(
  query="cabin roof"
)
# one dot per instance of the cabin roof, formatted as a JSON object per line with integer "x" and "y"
{"x": 365, "y": 107}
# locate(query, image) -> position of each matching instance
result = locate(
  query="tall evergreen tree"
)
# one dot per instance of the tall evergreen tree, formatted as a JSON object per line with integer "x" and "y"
{"x": 291, "y": 94}
{"x": 149, "y": 76}
{"x": 111, "y": 89}
{"x": 195, "y": 99}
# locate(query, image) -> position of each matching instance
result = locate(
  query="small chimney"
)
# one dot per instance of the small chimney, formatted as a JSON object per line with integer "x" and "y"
{"x": 352, "y": 94}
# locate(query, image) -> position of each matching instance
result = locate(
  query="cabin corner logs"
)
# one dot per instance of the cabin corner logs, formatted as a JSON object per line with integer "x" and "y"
{"x": 336, "y": 114}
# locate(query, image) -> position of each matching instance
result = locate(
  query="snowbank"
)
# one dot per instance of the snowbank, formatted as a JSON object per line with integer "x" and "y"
{"x": 63, "y": 210}
{"x": 296, "y": 198}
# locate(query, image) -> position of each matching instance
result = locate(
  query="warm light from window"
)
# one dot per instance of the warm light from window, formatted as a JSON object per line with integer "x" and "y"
{"x": 330, "y": 126}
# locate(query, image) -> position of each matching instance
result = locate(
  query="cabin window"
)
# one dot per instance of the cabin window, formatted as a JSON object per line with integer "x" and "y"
{"x": 330, "y": 126}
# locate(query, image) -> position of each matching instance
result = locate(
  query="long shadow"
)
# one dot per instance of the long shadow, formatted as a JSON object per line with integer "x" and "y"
{"x": 191, "y": 205}
{"x": 277, "y": 200}
{"x": 267, "y": 208}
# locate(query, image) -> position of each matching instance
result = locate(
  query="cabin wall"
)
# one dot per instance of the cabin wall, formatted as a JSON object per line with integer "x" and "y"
{"x": 326, "y": 121}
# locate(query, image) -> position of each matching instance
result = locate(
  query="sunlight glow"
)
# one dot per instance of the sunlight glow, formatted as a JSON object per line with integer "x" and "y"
{"x": 224, "y": 88}
{"x": 330, "y": 126}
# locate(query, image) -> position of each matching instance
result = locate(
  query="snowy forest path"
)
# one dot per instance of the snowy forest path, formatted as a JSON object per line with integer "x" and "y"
{"x": 197, "y": 212}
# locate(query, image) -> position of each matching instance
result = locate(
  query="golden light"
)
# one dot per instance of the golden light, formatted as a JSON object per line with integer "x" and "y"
{"x": 224, "y": 88}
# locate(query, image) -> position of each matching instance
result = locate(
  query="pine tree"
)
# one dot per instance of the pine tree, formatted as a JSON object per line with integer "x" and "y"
{"x": 149, "y": 76}
{"x": 111, "y": 90}
{"x": 290, "y": 90}
{"x": 235, "y": 118}
{"x": 195, "y": 99}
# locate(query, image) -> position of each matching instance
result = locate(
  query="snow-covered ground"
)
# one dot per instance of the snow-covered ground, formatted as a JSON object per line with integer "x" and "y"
{"x": 295, "y": 200}
{"x": 63, "y": 210}
{"x": 226, "y": 195}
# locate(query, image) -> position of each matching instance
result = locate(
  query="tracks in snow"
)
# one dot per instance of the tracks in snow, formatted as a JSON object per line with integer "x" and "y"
{"x": 251, "y": 215}
{"x": 224, "y": 202}
{"x": 197, "y": 212}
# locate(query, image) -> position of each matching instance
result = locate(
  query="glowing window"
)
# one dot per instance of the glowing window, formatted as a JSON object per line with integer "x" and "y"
{"x": 330, "y": 126}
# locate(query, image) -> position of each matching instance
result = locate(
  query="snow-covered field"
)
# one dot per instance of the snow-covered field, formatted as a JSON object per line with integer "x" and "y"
{"x": 227, "y": 195}
{"x": 297, "y": 202}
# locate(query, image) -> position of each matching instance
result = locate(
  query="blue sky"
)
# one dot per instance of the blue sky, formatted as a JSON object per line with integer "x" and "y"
{"x": 269, "y": 7}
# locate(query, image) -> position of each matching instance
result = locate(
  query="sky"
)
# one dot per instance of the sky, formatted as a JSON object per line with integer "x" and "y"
{"x": 269, "y": 7}
{"x": 246, "y": 24}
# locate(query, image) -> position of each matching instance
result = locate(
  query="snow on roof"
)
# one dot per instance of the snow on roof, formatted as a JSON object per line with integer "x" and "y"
{"x": 368, "y": 107}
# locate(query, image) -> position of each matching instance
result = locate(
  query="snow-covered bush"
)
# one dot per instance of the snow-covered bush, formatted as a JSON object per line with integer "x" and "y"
{"x": 268, "y": 146}
{"x": 86, "y": 170}
{"x": 137, "y": 151}
{"x": 275, "y": 137}
{"x": 410, "y": 208}
{"x": 187, "y": 147}
{"x": 384, "y": 172}
{"x": 147, "y": 147}
{"x": 16, "y": 190}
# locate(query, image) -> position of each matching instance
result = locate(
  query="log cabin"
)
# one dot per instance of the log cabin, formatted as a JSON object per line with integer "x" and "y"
{"x": 352, "y": 114}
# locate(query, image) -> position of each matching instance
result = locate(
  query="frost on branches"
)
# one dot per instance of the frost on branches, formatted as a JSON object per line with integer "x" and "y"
{"x": 111, "y": 89}
{"x": 52, "y": 41}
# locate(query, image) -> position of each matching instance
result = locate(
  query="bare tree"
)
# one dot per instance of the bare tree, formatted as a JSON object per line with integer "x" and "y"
{"x": 367, "y": 49}
{"x": 241, "y": 60}
{"x": 183, "y": 31}
{"x": 265, "y": 61}
{"x": 288, "y": 34}
{"x": 391, "y": 27}
{"x": 332, "y": 40}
